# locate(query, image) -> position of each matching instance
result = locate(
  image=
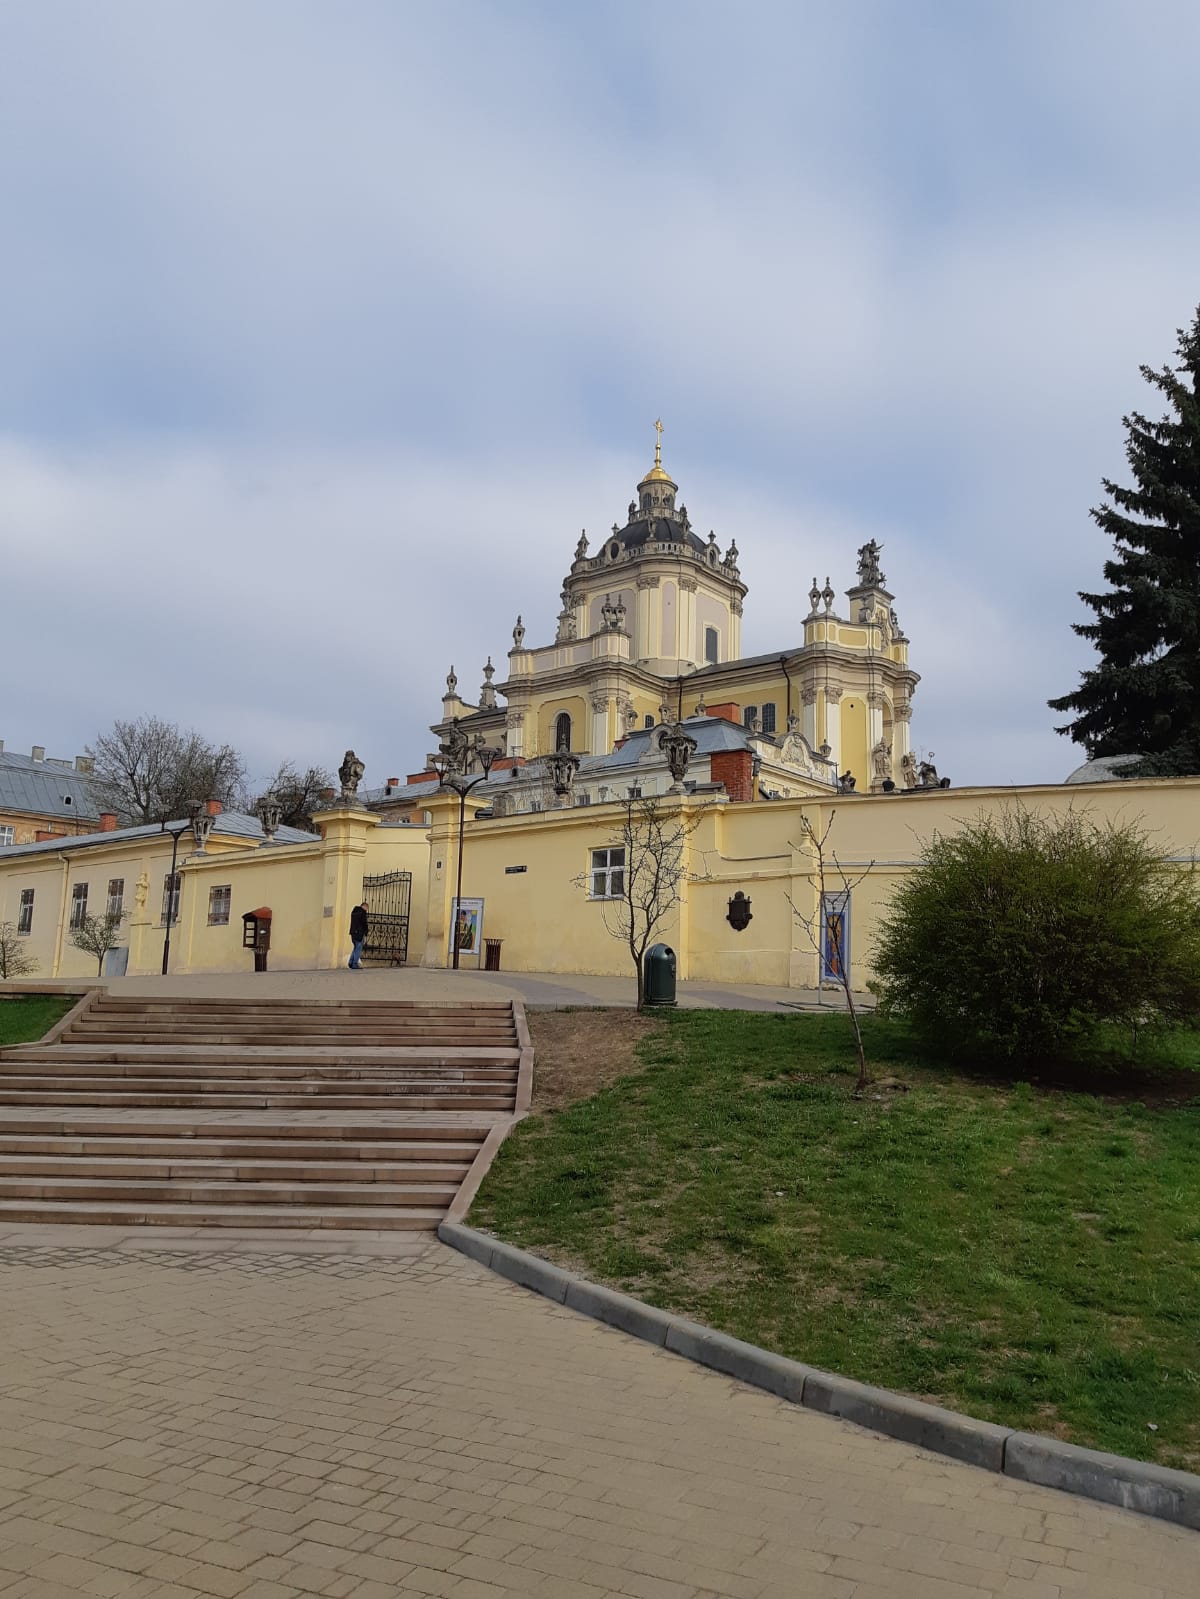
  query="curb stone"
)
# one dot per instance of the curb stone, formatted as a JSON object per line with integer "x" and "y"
{"x": 1135, "y": 1485}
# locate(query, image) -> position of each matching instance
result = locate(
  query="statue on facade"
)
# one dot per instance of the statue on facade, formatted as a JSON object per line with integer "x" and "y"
{"x": 908, "y": 769}
{"x": 268, "y": 809}
{"x": 927, "y": 775}
{"x": 632, "y": 509}
{"x": 881, "y": 760}
{"x": 731, "y": 555}
{"x": 869, "y": 575}
{"x": 142, "y": 890}
{"x": 487, "y": 694}
{"x": 581, "y": 548}
{"x": 678, "y": 747}
{"x": 350, "y": 772}
{"x": 518, "y": 634}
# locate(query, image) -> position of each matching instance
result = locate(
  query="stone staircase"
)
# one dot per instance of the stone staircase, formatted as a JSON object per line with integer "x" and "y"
{"x": 257, "y": 1113}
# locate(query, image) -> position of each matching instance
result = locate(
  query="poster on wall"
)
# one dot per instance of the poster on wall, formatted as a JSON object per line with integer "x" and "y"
{"x": 835, "y": 937}
{"x": 467, "y": 924}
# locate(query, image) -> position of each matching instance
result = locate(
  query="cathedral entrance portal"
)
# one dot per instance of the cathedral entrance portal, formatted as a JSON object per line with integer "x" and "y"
{"x": 387, "y": 899}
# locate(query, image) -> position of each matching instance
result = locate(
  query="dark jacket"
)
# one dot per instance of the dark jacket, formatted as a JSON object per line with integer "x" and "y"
{"x": 358, "y": 925}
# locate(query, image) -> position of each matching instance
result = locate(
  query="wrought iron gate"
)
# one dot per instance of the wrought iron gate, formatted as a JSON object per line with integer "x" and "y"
{"x": 387, "y": 900}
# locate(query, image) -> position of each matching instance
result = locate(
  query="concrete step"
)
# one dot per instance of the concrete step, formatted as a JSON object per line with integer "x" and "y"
{"x": 268, "y": 1100}
{"x": 115, "y": 1213}
{"x": 166, "y": 1054}
{"x": 61, "y": 1073}
{"x": 178, "y": 1167}
{"x": 184, "y": 1192}
{"x": 295, "y": 1125}
{"x": 331, "y": 1154}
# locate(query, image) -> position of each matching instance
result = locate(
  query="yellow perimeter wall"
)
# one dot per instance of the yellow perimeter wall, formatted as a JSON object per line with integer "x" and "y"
{"x": 543, "y": 914}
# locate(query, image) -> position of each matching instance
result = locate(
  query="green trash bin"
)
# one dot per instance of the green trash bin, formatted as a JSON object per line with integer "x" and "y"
{"x": 659, "y": 977}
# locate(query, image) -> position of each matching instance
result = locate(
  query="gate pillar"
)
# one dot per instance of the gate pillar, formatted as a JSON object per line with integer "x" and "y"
{"x": 344, "y": 834}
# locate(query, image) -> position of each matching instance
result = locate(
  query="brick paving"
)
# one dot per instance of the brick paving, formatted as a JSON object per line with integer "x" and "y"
{"x": 252, "y": 1420}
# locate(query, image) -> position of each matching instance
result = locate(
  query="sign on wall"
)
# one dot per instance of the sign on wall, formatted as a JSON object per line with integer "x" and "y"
{"x": 466, "y": 921}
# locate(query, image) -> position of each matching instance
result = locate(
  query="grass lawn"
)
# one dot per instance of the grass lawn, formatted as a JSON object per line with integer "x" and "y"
{"x": 1028, "y": 1255}
{"x": 23, "y": 1020}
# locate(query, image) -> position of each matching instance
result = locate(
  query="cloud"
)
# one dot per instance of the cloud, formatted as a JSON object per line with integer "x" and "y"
{"x": 326, "y": 334}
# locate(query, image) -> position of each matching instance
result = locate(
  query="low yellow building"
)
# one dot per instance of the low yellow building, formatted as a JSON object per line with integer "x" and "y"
{"x": 543, "y": 879}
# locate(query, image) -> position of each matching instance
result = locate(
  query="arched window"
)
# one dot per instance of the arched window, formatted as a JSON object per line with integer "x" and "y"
{"x": 562, "y": 731}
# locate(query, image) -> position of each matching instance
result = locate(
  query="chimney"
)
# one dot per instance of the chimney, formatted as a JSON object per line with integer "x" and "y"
{"x": 83, "y": 763}
{"x": 39, "y": 752}
{"x": 213, "y": 807}
{"x": 393, "y": 783}
{"x": 734, "y": 768}
{"x": 108, "y": 822}
{"x": 1, "y": 746}
{"x": 727, "y": 712}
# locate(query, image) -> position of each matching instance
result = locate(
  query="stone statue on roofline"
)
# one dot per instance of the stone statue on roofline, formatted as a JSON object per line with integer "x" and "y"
{"x": 869, "y": 575}
{"x": 350, "y": 775}
{"x": 881, "y": 760}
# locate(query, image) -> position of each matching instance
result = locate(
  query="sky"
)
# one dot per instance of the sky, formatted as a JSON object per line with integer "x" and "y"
{"x": 325, "y": 329}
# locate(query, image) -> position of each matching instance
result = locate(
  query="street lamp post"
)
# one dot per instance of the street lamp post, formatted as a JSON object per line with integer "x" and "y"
{"x": 176, "y": 834}
{"x": 452, "y": 765}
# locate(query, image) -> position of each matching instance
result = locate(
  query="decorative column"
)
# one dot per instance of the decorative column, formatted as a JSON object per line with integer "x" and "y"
{"x": 808, "y": 702}
{"x": 601, "y": 741}
{"x": 874, "y": 718}
{"x": 735, "y": 630}
{"x": 344, "y": 834}
{"x": 514, "y": 731}
{"x": 688, "y": 588}
{"x": 833, "y": 721}
{"x": 901, "y": 733}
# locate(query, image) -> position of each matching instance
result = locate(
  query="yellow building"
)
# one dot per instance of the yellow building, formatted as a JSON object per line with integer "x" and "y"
{"x": 651, "y": 628}
{"x": 545, "y": 879}
{"x": 42, "y": 797}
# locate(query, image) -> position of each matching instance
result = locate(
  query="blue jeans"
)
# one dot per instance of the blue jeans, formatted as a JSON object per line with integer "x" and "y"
{"x": 356, "y": 954}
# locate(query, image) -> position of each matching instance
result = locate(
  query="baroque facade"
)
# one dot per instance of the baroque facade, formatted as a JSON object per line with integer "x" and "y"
{"x": 650, "y": 630}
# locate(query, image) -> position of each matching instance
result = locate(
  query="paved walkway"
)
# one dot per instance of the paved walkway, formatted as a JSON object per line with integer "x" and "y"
{"x": 413, "y": 982}
{"x": 236, "y": 1421}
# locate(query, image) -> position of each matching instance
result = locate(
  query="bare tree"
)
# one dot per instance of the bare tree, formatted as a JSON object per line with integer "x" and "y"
{"x": 96, "y": 935}
{"x": 149, "y": 770}
{"x": 15, "y": 961}
{"x": 641, "y": 874}
{"x": 298, "y": 792}
{"x": 825, "y": 927}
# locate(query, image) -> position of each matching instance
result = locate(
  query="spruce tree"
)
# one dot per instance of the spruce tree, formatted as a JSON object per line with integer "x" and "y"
{"x": 1144, "y": 695}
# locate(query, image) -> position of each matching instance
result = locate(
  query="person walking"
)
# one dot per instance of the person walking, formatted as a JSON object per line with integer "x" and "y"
{"x": 358, "y": 935}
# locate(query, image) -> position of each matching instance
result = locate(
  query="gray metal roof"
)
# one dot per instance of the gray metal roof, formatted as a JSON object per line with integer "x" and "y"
{"x": 712, "y": 734}
{"x": 734, "y": 668}
{"x": 43, "y": 788}
{"x": 232, "y": 823}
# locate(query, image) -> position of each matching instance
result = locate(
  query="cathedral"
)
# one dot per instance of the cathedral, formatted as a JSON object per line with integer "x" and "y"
{"x": 650, "y": 631}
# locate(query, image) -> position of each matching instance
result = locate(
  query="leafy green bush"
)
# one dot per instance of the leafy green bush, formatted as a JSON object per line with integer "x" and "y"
{"x": 1021, "y": 935}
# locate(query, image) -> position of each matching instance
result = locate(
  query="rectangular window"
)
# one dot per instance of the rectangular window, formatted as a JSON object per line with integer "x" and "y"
{"x": 768, "y": 718}
{"x": 749, "y": 715}
{"x": 170, "y": 905}
{"x": 116, "y": 896}
{"x": 25, "y": 914}
{"x": 608, "y": 873}
{"x": 78, "y": 904}
{"x": 218, "y": 904}
{"x": 712, "y": 644}
{"x": 647, "y": 720}
{"x": 7, "y": 834}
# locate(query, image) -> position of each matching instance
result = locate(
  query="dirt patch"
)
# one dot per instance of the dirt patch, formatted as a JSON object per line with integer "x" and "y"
{"x": 577, "y": 1052}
